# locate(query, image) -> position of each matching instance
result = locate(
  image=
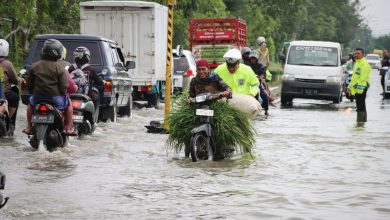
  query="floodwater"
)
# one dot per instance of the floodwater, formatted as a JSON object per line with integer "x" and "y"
{"x": 311, "y": 162}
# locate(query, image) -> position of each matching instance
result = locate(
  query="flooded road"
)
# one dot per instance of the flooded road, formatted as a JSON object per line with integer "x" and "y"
{"x": 311, "y": 162}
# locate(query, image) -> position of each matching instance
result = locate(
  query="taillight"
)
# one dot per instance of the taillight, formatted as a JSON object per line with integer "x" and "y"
{"x": 188, "y": 73}
{"x": 76, "y": 104}
{"x": 146, "y": 88}
{"x": 43, "y": 109}
{"x": 108, "y": 86}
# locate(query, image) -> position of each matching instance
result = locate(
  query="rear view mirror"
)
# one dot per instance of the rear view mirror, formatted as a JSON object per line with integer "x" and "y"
{"x": 130, "y": 65}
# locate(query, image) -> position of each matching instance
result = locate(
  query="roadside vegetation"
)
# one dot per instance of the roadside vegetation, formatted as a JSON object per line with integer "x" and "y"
{"x": 277, "y": 20}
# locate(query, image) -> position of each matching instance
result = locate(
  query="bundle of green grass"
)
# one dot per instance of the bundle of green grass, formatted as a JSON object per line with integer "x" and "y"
{"x": 231, "y": 127}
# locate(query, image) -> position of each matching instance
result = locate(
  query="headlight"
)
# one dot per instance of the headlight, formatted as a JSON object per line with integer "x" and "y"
{"x": 200, "y": 98}
{"x": 333, "y": 79}
{"x": 288, "y": 76}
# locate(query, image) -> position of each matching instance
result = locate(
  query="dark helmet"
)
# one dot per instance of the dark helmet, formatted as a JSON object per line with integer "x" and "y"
{"x": 52, "y": 48}
{"x": 82, "y": 54}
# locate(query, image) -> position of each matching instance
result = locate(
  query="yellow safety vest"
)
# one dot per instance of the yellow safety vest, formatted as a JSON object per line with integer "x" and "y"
{"x": 243, "y": 81}
{"x": 360, "y": 77}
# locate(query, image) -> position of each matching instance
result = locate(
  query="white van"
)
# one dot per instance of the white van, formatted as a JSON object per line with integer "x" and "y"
{"x": 313, "y": 70}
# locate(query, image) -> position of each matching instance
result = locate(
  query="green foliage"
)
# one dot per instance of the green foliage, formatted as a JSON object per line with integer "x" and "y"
{"x": 383, "y": 42}
{"x": 231, "y": 126}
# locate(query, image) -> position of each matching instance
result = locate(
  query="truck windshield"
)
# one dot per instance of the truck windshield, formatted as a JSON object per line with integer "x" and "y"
{"x": 70, "y": 46}
{"x": 313, "y": 56}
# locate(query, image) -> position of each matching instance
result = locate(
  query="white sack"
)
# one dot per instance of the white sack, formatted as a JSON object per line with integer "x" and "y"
{"x": 247, "y": 104}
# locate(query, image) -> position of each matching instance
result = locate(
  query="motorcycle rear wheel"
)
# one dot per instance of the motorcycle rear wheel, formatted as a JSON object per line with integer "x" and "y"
{"x": 199, "y": 148}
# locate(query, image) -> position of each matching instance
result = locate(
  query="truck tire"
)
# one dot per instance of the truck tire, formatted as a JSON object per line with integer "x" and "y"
{"x": 153, "y": 101}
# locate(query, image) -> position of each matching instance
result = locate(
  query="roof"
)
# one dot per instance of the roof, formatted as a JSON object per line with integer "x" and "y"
{"x": 72, "y": 37}
{"x": 138, "y": 4}
{"x": 315, "y": 43}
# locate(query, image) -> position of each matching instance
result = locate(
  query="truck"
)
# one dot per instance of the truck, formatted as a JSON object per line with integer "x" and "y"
{"x": 210, "y": 38}
{"x": 140, "y": 29}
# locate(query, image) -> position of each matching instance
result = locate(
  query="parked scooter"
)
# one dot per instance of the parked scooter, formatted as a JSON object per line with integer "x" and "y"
{"x": 47, "y": 126}
{"x": 202, "y": 146}
{"x": 84, "y": 114}
{"x": 4, "y": 119}
{"x": 386, "y": 93}
{"x": 347, "y": 81}
{"x": 3, "y": 200}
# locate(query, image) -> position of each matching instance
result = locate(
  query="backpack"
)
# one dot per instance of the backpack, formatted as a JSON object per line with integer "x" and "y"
{"x": 80, "y": 79}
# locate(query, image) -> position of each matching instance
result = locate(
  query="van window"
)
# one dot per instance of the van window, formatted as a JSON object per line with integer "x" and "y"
{"x": 115, "y": 58}
{"x": 70, "y": 46}
{"x": 180, "y": 65}
{"x": 313, "y": 56}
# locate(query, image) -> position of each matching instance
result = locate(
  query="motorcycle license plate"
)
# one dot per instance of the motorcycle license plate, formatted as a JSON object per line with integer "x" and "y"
{"x": 77, "y": 118}
{"x": 44, "y": 119}
{"x": 205, "y": 112}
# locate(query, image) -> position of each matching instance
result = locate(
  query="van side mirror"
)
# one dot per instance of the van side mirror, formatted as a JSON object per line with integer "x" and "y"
{"x": 130, "y": 65}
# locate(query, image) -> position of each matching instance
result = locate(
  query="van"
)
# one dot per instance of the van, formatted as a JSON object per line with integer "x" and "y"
{"x": 313, "y": 70}
{"x": 106, "y": 58}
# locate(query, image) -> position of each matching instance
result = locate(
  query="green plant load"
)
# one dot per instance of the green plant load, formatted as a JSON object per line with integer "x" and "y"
{"x": 231, "y": 127}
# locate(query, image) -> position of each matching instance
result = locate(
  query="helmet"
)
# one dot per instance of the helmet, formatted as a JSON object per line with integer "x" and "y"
{"x": 260, "y": 40}
{"x": 245, "y": 50}
{"x": 4, "y": 48}
{"x": 82, "y": 54}
{"x": 232, "y": 56}
{"x": 52, "y": 48}
{"x": 254, "y": 54}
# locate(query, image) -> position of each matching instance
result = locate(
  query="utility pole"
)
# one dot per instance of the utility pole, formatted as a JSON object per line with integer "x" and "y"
{"x": 168, "y": 76}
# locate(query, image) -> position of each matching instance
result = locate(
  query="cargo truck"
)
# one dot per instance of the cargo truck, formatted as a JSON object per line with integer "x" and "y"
{"x": 140, "y": 29}
{"x": 210, "y": 38}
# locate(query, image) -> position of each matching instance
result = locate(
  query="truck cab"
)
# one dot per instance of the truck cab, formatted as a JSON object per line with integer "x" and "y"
{"x": 106, "y": 58}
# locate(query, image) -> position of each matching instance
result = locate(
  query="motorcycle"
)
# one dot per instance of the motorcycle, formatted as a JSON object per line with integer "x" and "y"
{"x": 84, "y": 114}
{"x": 386, "y": 93}
{"x": 3, "y": 200}
{"x": 347, "y": 81}
{"x": 202, "y": 146}
{"x": 47, "y": 126}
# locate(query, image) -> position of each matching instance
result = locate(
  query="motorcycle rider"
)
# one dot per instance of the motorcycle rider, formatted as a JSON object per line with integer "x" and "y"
{"x": 10, "y": 77}
{"x": 245, "y": 55}
{"x": 260, "y": 71}
{"x": 360, "y": 83}
{"x": 82, "y": 57}
{"x": 239, "y": 77}
{"x": 48, "y": 76}
{"x": 385, "y": 62}
{"x": 206, "y": 81}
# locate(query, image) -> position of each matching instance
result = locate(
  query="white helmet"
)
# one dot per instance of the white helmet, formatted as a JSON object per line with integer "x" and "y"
{"x": 4, "y": 48}
{"x": 260, "y": 40}
{"x": 232, "y": 56}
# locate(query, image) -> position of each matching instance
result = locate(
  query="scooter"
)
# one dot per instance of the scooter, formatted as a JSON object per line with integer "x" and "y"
{"x": 84, "y": 114}
{"x": 3, "y": 200}
{"x": 202, "y": 146}
{"x": 347, "y": 81}
{"x": 47, "y": 126}
{"x": 386, "y": 93}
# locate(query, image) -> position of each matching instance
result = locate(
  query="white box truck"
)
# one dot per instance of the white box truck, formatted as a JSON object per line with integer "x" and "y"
{"x": 140, "y": 29}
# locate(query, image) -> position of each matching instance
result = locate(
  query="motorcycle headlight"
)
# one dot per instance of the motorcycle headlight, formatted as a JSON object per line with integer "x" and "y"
{"x": 333, "y": 79}
{"x": 288, "y": 76}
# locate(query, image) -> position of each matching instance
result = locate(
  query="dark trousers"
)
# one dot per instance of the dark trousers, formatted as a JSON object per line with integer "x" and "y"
{"x": 361, "y": 101}
{"x": 383, "y": 81}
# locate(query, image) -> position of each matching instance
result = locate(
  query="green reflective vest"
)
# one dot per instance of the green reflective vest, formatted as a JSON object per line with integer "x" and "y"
{"x": 243, "y": 81}
{"x": 360, "y": 77}
{"x": 268, "y": 76}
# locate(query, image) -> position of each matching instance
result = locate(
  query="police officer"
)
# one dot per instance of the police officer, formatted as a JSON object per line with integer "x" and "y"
{"x": 359, "y": 83}
{"x": 239, "y": 77}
